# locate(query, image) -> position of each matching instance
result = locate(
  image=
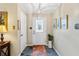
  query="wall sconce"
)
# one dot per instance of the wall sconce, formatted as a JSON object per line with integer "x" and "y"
{"x": 12, "y": 27}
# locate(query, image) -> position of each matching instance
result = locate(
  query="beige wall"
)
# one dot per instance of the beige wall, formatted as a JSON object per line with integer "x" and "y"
{"x": 67, "y": 42}
{"x": 11, "y": 35}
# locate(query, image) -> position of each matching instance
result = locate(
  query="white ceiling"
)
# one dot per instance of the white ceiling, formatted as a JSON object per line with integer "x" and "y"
{"x": 39, "y": 7}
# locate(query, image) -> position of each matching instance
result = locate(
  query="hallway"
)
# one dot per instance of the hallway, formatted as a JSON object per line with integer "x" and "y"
{"x": 61, "y": 20}
{"x": 41, "y": 29}
{"x": 38, "y": 28}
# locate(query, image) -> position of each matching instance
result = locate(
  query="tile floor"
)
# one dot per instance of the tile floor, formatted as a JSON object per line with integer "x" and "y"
{"x": 28, "y": 51}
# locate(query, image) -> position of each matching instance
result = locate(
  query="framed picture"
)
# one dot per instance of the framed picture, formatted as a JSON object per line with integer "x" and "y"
{"x": 77, "y": 26}
{"x": 64, "y": 22}
{"x": 54, "y": 23}
{"x": 58, "y": 23}
{"x": 3, "y": 21}
{"x": 18, "y": 24}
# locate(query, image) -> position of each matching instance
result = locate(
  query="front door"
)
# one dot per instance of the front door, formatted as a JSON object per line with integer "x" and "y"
{"x": 39, "y": 31}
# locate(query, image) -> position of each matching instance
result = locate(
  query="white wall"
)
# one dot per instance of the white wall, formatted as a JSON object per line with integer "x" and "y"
{"x": 67, "y": 42}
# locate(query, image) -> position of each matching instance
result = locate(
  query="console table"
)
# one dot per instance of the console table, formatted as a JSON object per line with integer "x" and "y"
{"x": 5, "y": 48}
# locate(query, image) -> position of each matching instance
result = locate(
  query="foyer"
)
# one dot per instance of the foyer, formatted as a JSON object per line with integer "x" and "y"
{"x": 39, "y": 29}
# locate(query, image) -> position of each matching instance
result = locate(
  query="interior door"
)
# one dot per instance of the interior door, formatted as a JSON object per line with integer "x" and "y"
{"x": 23, "y": 29}
{"x": 39, "y": 31}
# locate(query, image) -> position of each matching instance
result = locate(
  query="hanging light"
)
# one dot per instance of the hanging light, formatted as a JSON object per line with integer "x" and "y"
{"x": 39, "y": 11}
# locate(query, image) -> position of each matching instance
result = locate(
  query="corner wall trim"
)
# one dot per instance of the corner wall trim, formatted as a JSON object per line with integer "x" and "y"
{"x": 57, "y": 51}
{"x": 21, "y": 51}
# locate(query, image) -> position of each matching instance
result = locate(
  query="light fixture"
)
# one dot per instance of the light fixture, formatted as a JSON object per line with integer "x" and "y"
{"x": 11, "y": 27}
{"x": 39, "y": 11}
{"x": 2, "y": 30}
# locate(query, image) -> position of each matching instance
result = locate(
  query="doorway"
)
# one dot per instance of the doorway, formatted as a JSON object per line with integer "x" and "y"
{"x": 38, "y": 30}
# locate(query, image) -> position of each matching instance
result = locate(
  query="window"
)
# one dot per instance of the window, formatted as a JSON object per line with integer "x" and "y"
{"x": 39, "y": 24}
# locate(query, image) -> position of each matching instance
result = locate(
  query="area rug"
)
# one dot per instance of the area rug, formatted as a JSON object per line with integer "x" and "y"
{"x": 39, "y": 50}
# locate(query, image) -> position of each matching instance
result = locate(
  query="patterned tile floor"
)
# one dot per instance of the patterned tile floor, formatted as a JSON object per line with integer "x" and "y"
{"x": 28, "y": 51}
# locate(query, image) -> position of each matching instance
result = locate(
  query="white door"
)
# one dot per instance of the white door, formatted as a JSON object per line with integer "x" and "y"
{"x": 23, "y": 29}
{"x": 39, "y": 31}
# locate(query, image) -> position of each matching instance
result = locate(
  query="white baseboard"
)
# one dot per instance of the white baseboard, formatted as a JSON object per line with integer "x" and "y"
{"x": 29, "y": 44}
{"x": 19, "y": 54}
{"x": 56, "y": 51}
{"x": 37, "y": 44}
{"x": 21, "y": 51}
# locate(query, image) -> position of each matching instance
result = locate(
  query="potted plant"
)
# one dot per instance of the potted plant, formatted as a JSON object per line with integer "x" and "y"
{"x": 50, "y": 40}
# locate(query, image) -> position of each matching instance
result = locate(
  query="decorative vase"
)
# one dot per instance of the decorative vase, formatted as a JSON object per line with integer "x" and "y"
{"x": 50, "y": 45}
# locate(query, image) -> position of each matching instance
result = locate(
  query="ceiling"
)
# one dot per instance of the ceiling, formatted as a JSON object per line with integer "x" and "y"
{"x": 39, "y": 7}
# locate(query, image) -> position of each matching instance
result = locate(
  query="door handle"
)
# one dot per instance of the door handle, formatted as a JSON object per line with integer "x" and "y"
{"x": 33, "y": 32}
